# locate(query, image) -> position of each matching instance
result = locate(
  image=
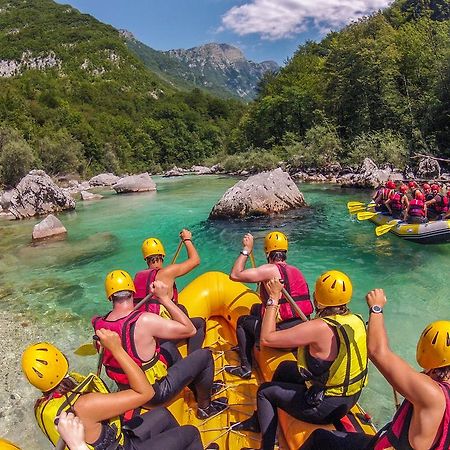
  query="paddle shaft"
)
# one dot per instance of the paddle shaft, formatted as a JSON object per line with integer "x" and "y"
{"x": 177, "y": 252}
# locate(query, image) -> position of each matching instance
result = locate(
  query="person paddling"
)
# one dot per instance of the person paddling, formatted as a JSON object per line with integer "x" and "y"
{"x": 141, "y": 331}
{"x": 423, "y": 420}
{"x": 417, "y": 209}
{"x": 98, "y": 410}
{"x": 248, "y": 326}
{"x": 398, "y": 202}
{"x": 438, "y": 205}
{"x": 382, "y": 195}
{"x": 154, "y": 254}
{"x": 331, "y": 368}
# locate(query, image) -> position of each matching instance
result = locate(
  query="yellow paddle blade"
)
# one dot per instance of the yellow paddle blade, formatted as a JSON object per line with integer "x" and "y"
{"x": 351, "y": 204}
{"x": 86, "y": 350}
{"x": 365, "y": 215}
{"x": 356, "y": 209}
{"x": 383, "y": 229}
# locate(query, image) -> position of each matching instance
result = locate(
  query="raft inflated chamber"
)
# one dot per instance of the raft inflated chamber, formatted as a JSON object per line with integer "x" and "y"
{"x": 435, "y": 232}
{"x": 220, "y": 302}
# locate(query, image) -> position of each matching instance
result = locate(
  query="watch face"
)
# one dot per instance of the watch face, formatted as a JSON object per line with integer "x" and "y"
{"x": 270, "y": 302}
{"x": 376, "y": 309}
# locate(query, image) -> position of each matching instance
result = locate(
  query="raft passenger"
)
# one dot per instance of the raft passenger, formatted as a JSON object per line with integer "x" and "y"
{"x": 141, "y": 332}
{"x": 423, "y": 420}
{"x": 154, "y": 254}
{"x": 331, "y": 368}
{"x": 417, "y": 209}
{"x": 438, "y": 205}
{"x": 249, "y": 326}
{"x": 382, "y": 196}
{"x": 100, "y": 411}
{"x": 398, "y": 202}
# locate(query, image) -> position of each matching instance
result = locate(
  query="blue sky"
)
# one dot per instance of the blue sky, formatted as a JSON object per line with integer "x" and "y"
{"x": 263, "y": 29}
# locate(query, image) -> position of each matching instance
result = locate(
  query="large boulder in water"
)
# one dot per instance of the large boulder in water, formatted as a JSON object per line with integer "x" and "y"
{"x": 369, "y": 175}
{"x": 104, "y": 179}
{"x": 36, "y": 194}
{"x": 135, "y": 183}
{"x": 50, "y": 226}
{"x": 262, "y": 194}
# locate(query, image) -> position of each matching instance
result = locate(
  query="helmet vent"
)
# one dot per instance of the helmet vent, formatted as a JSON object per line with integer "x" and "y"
{"x": 42, "y": 361}
{"x": 333, "y": 285}
{"x": 448, "y": 339}
{"x": 123, "y": 274}
{"x": 43, "y": 349}
{"x": 435, "y": 338}
{"x": 343, "y": 286}
{"x": 39, "y": 374}
{"x": 427, "y": 331}
{"x": 326, "y": 278}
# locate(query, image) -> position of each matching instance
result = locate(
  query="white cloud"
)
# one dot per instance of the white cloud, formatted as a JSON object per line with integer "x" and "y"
{"x": 276, "y": 19}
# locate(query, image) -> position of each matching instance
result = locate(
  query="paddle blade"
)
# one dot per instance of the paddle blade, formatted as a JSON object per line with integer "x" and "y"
{"x": 383, "y": 229}
{"x": 365, "y": 215}
{"x": 86, "y": 350}
{"x": 356, "y": 209}
{"x": 351, "y": 204}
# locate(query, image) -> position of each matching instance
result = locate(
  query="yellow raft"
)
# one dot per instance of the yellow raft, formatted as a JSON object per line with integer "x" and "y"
{"x": 220, "y": 302}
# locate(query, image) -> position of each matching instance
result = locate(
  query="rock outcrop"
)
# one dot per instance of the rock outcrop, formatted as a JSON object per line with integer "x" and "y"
{"x": 174, "y": 172}
{"x": 104, "y": 179}
{"x": 262, "y": 194}
{"x": 201, "y": 170}
{"x": 85, "y": 196}
{"x": 5, "y": 199}
{"x": 428, "y": 169}
{"x": 49, "y": 227}
{"x": 37, "y": 194}
{"x": 135, "y": 183}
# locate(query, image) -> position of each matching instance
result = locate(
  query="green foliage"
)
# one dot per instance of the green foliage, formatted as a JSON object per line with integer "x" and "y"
{"x": 381, "y": 146}
{"x": 16, "y": 157}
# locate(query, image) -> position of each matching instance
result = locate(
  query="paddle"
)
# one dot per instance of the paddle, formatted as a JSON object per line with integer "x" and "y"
{"x": 366, "y": 215}
{"x": 351, "y": 204}
{"x": 356, "y": 209}
{"x": 177, "y": 252}
{"x": 382, "y": 229}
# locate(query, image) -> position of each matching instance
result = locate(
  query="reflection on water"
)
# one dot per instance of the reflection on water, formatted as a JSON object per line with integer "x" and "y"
{"x": 62, "y": 282}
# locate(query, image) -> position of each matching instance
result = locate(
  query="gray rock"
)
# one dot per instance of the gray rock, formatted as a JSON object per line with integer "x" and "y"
{"x": 5, "y": 199}
{"x": 36, "y": 194}
{"x": 174, "y": 172}
{"x": 201, "y": 170}
{"x": 370, "y": 176}
{"x": 428, "y": 169}
{"x": 262, "y": 194}
{"x": 50, "y": 226}
{"x": 135, "y": 183}
{"x": 104, "y": 179}
{"x": 217, "y": 168}
{"x": 85, "y": 196}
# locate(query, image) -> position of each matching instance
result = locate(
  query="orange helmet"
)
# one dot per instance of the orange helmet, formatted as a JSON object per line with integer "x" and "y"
{"x": 403, "y": 188}
{"x": 412, "y": 184}
{"x": 426, "y": 187}
{"x": 435, "y": 187}
{"x": 419, "y": 196}
{"x": 390, "y": 184}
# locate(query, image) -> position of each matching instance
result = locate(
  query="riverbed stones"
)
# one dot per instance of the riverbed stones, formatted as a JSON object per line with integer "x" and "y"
{"x": 174, "y": 172}
{"x": 87, "y": 196}
{"x": 135, "y": 183}
{"x": 49, "y": 227}
{"x": 428, "y": 169}
{"x": 262, "y": 194}
{"x": 37, "y": 194}
{"x": 104, "y": 179}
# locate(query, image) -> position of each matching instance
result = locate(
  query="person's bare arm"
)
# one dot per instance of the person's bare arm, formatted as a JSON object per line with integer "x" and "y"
{"x": 305, "y": 333}
{"x": 172, "y": 271}
{"x": 388, "y": 205}
{"x": 417, "y": 387}
{"x": 94, "y": 408}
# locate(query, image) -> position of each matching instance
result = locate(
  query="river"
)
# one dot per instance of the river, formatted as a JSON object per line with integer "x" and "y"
{"x": 59, "y": 286}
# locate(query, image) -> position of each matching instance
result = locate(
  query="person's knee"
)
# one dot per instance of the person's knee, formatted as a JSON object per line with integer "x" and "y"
{"x": 191, "y": 432}
{"x": 241, "y": 320}
{"x": 203, "y": 357}
{"x": 263, "y": 389}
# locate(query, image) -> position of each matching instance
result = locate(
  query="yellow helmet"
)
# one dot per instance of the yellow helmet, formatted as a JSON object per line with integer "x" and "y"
{"x": 433, "y": 348}
{"x": 44, "y": 366}
{"x": 6, "y": 445}
{"x": 118, "y": 280}
{"x": 275, "y": 240}
{"x": 152, "y": 246}
{"x": 333, "y": 288}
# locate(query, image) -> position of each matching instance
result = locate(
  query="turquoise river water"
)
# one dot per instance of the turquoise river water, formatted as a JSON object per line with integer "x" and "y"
{"x": 59, "y": 285}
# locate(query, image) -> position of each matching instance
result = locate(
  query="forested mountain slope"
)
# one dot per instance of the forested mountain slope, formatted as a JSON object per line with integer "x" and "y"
{"x": 73, "y": 97}
{"x": 379, "y": 88}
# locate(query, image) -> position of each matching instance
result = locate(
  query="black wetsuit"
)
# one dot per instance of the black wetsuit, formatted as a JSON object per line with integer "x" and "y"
{"x": 155, "y": 430}
{"x": 288, "y": 391}
{"x": 321, "y": 439}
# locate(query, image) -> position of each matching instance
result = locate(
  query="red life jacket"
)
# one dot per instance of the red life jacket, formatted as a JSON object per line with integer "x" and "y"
{"x": 142, "y": 282}
{"x": 396, "y": 201}
{"x": 296, "y": 286}
{"x": 441, "y": 205}
{"x": 416, "y": 208}
{"x": 386, "y": 193}
{"x": 395, "y": 434}
{"x": 124, "y": 327}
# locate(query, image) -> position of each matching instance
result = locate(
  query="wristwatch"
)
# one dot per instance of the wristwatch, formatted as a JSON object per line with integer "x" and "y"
{"x": 376, "y": 309}
{"x": 271, "y": 302}
{"x": 245, "y": 252}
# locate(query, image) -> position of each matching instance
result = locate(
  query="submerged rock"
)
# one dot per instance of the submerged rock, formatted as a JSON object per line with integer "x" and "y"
{"x": 135, "y": 183}
{"x": 50, "y": 226}
{"x": 36, "y": 194}
{"x": 104, "y": 179}
{"x": 85, "y": 196}
{"x": 262, "y": 194}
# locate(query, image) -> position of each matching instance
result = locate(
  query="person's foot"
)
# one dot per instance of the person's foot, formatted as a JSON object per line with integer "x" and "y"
{"x": 217, "y": 386}
{"x": 239, "y": 371}
{"x": 251, "y": 424}
{"x": 215, "y": 407}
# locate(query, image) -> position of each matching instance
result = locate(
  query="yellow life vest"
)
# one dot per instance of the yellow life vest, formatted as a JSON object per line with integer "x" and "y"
{"x": 348, "y": 372}
{"x": 46, "y": 410}
{"x": 154, "y": 369}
